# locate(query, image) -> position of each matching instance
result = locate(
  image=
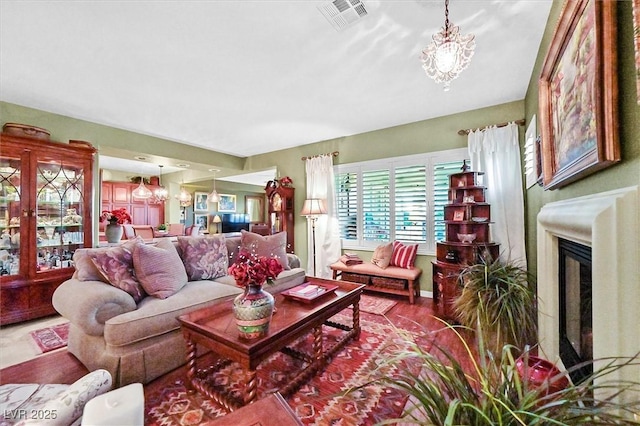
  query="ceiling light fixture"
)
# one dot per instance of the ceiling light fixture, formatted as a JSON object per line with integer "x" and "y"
{"x": 449, "y": 53}
{"x": 141, "y": 191}
{"x": 213, "y": 197}
{"x": 183, "y": 197}
{"x": 161, "y": 194}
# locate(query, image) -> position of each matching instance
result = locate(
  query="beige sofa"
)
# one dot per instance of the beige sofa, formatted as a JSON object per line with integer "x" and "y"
{"x": 138, "y": 342}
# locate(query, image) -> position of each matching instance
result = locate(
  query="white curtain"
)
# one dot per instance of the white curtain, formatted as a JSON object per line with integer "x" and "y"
{"x": 321, "y": 184}
{"x": 496, "y": 152}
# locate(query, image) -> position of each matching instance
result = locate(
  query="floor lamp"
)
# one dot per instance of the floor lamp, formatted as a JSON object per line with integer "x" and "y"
{"x": 312, "y": 208}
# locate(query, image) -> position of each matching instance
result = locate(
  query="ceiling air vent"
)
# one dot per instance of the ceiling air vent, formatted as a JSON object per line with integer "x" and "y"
{"x": 342, "y": 13}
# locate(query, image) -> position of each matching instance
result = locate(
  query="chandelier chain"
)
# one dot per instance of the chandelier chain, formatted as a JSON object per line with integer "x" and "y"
{"x": 446, "y": 19}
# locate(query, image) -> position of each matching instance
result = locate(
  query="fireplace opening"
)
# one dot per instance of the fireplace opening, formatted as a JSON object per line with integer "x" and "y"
{"x": 576, "y": 319}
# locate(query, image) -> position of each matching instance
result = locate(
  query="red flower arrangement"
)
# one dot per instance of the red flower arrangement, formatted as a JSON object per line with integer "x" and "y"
{"x": 119, "y": 216}
{"x": 251, "y": 269}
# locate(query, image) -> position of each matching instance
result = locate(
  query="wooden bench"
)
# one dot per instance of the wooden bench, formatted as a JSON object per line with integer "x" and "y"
{"x": 393, "y": 279}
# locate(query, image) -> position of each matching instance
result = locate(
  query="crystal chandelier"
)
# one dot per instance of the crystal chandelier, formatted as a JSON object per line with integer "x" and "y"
{"x": 141, "y": 191}
{"x": 213, "y": 197}
{"x": 449, "y": 53}
{"x": 160, "y": 194}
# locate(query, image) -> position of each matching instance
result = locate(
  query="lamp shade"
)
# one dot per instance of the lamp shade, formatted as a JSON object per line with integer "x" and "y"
{"x": 313, "y": 207}
{"x": 217, "y": 219}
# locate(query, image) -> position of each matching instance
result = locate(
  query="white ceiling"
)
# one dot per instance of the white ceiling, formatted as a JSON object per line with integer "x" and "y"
{"x": 248, "y": 77}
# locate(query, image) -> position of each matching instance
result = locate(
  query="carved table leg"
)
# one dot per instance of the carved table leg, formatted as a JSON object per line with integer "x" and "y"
{"x": 191, "y": 364}
{"x": 317, "y": 343}
{"x": 356, "y": 319}
{"x": 251, "y": 387}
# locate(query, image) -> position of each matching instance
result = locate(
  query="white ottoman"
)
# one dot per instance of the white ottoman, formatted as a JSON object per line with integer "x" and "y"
{"x": 123, "y": 407}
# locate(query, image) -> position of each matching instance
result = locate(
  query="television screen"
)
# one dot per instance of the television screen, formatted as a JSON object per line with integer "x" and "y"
{"x": 234, "y": 222}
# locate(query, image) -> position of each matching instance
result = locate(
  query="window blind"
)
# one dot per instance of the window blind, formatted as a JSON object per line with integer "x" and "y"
{"x": 347, "y": 205}
{"x": 441, "y": 174}
{"x": 410, "y": 203}
{"x": 376, "y": 206}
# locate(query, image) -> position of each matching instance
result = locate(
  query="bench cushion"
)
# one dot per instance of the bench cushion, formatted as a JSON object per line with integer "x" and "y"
{"x": 371, "y": 269}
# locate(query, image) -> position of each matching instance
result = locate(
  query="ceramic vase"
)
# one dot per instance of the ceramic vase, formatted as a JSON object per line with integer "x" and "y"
{"x": 541, "y": 374}
{"x": 253, "y": 310}
{"x": 113, "y": 232}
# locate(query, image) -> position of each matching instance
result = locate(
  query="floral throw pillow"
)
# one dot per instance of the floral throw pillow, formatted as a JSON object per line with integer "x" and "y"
{"x": 267, "y": 246}
{"x": 382, "y": 255}
{"x": 116, "y": 266}
{"x": 204, "y": 258}
{"x": 159, "y": 269}
{"x": 404, "y": 256}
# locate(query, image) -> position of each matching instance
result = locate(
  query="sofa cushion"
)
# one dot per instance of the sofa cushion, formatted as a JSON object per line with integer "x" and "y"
{"x": 382, "y": 255}
{"x": 159, "y": 269}
{"x": 116, "y": 266}
{"x": 204, "y": 257}
{"x": 233, "y": 248}
{"x": 155, "y": 317}
{"x": 269, "y": 246}
{"x": 404, "y": 256}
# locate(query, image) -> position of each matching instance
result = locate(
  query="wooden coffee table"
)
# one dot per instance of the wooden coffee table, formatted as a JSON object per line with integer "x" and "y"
{"x": 215, "y": 328}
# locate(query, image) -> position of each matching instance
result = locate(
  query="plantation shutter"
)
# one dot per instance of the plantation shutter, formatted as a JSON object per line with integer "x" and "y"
{"x": 441, "y": 174}
{"x": 410, "y": 203}
{"x": 375, "y": 206}
{"x": 347, "y": 205}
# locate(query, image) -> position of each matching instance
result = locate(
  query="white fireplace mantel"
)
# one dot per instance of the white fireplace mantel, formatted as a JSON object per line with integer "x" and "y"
{"x": 609, "y": 223}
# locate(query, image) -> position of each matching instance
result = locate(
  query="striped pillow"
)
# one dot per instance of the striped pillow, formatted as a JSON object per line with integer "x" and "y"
{"x": 404, "y": 255}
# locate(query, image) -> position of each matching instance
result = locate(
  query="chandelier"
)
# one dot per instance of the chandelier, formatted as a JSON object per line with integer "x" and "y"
{"x": 141, "y": 191}
{"x": 448, "y": 54}
{"x": 160, "y": 194}
{"x": 213, "y": 197}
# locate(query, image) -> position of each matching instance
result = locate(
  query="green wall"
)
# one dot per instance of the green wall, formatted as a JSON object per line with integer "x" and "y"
{"x": 623, "y": 174}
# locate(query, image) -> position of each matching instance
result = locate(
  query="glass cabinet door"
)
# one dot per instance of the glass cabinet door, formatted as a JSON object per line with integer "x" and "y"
{"x": 59, "y": 203}
{"x": 10, "y": 209}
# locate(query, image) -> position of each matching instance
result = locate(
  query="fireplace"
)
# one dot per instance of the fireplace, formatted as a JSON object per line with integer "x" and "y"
{"x": 608, "y": 224}
{"x": 576, "y": 311}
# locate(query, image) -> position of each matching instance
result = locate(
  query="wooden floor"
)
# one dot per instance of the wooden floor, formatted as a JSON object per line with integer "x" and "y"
{"x": 62, "y": 367}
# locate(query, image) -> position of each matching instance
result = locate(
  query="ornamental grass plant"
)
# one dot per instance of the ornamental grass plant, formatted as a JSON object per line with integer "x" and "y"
{"x": 498, "y": 297}
{"x": 481, "y": 389}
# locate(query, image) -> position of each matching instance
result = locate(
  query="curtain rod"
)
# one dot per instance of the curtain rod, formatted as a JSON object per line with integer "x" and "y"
{"x": 334, "y": 153}
{"x": 520, "y": 122}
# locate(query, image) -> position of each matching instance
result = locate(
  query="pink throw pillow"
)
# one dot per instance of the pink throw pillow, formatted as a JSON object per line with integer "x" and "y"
{"x": 267, "y": 246}
{"x": 204, "y": 258}
{"x": 116, "y": 265}
{"x": 404, "y": 256}
{"x": 159, "y": 269}
{"x": 382, "y": 255}
{"x": 85, "y": 269}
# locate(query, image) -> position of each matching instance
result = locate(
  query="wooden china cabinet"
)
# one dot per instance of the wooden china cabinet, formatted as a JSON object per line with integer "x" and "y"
{"x": 280, "y": 200}
{"x": 46, "y": 203}
{"x": 467, "y": 218}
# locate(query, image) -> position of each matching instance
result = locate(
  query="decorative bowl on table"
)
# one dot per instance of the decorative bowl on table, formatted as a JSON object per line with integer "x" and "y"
{"x": 479, "y": 219}
{"x": 467, "y": 238}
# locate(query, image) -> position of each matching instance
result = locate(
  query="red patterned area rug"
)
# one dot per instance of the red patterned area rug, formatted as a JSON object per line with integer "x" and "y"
{"x": 319, "y": 401}
{"x": 376, "y": 305}
{"x": 51, "y": 338}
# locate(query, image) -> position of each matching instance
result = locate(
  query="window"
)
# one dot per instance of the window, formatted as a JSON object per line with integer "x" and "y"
{"x": 530, "y": 154}
{"x": 398, "y": 198}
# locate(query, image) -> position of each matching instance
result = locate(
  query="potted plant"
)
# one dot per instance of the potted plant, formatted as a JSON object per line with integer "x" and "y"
{"x": 475, "y": 388}
{"x": 498, "y": 299}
